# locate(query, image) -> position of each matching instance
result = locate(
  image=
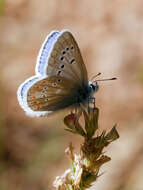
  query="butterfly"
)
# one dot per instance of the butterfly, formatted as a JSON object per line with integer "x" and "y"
{"x": 61, "y": 78}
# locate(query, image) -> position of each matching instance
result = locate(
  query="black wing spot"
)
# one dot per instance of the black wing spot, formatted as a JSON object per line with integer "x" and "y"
{"x": 45, "y": 88}
{"x": 62, "y": 66}
{"x": 64, "y": 52}
{"x": 59, "y": 80}
{"x": 72, "y": 47}
{"x": 54, "y": 84}
{"x": 44, "y": 95}
{"x": 43, "y": 91}
{"x": 59, "y": 72}
{"x": 67, "y": 49}
{"x": 62, "y": 58}
{"x": 72, "y": 61}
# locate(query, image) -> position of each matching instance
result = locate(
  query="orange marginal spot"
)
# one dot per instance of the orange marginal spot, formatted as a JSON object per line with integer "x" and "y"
{"x": 37, "y": 87}
{"x": 38, "y": 107}
{"x": 43, "y": 82}
{"x": 33, "y": 97}
{"x": 35, "y": 102}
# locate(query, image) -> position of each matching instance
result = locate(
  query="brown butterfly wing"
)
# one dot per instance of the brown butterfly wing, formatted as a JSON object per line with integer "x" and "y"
{"x": 51, "y": 94}
{"x": 66, "y": 60}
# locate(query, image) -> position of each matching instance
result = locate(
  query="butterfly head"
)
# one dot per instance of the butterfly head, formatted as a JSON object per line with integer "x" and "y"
{"x": 93, "y": 83}
{"x": 94, "y": 86}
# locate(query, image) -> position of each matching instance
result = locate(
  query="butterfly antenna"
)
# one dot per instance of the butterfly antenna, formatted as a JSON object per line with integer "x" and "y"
{"x": 114, "y": 78}
{"x": 92, "y": 78}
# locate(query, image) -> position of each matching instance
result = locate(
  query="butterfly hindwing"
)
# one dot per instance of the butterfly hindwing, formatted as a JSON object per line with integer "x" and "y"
{"x": 22, "y": 96}
{"x": 50, "y": 94}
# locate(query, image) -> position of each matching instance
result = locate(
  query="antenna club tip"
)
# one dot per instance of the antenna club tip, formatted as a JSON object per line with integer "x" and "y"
{"x": 114, "y": 78}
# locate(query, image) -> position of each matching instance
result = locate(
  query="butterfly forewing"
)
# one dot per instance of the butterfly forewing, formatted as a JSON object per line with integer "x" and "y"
{"x": 65, "y": 59}
{"x": 45, "y": 52}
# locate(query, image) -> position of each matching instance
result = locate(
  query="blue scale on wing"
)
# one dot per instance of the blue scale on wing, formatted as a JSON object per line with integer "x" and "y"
{"x": 45, "y": 52}
{"x": 26, "y": 85}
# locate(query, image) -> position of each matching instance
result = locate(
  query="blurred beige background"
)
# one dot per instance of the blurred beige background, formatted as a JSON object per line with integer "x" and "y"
{"x": 110, "y": 36}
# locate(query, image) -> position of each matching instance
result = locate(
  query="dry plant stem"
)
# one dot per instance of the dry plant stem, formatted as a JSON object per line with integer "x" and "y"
{"x": 85, "y": 166}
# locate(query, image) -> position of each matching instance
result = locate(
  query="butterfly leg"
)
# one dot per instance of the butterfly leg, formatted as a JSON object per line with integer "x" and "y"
{"x": 76, "y": 110}
{"x": 91, "y": 100}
